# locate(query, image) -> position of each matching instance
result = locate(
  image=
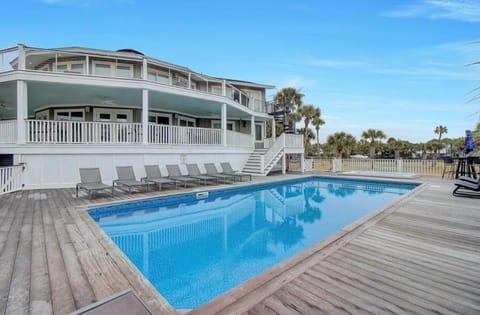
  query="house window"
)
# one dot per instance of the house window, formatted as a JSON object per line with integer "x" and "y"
{"x": 159, "y": 118}
{"x": 69, "y": 114}
{"x": 217, "y": 124}
{"x": 124, "y": 71}
{"x": 72, "y": 67}
{"x": 186, "y": 122}
{"x": 103, "y": 69}
{"x": 42, "y": 115}
{"x": 112, "y": 115}
{"x": 159, "y": 76}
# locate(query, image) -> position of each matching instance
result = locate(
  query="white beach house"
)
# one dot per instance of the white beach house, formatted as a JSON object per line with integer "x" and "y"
{"x": 62, "y": 109}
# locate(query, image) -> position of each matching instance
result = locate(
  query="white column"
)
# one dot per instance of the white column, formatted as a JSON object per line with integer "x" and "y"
{"x": 21, "y": 57}
{"x": 224, "y": 124}
{"x": 144, "y": 69}
{"x": 252, "y": 129}
{"x": 87, "y": 65}
{"x": 224, "y": 88}
{"x": 189, "y": 80}
{"x": 22, "y": 111}
{"x": 302, "y": 163}
{"x": 274, "y": 129}
{"x": 145, "y": 116}
{"x": 284, "y": 163}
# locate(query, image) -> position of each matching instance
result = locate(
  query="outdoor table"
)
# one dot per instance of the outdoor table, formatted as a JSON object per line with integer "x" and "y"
{"x": 465, "y": 167}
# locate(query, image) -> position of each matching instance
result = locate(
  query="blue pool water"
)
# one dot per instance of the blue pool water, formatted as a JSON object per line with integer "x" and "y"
{"x": 194, "y": 248}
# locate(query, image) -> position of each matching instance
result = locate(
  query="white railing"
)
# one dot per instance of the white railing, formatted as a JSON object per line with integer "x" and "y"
{"x": 164, "y": 134}
{"x": 8, "y": 131}
{"x": 238, "y": 139}
{"x": 11, "y": 178}
{"x": 50, "y": 131}
{"x": 293, "y": 141}
{"x": 418, "y": 167}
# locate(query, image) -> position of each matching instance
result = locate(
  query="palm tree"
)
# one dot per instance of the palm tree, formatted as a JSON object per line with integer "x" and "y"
{"x": 440, "y": 130}
{"x": 372, "y": 135}
{"x": 290, "y": 100}
{"x": 308, "y": 112}
{"x": 341, "y": 141}
{"x": 317, "y": 122}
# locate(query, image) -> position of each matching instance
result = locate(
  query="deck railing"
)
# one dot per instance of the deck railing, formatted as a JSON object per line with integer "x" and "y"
{"x": 51, "y": 131}
{"x": 8, "y": 131}
{"x": 82, "y": 132}
{"x": 238, "y": 139}
{"x": 11, "y": 178}
{"x": 173, "y": 135}
{"x": 293, "y": 141}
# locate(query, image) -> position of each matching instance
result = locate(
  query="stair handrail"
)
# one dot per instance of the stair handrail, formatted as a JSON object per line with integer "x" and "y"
{"x": 273, "y": 152}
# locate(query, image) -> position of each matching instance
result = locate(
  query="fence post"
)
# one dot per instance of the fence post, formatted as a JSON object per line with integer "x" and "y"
{"x": 399, "y": 165}
{"x": 336, "y": 165}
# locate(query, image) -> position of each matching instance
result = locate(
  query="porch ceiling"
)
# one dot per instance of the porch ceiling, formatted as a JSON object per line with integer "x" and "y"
{"x": 43, "y": 94}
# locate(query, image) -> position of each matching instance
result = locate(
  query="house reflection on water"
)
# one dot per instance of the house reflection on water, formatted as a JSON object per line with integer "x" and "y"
{"x": 243, "y": 225}
{"x": 212, "y": 245}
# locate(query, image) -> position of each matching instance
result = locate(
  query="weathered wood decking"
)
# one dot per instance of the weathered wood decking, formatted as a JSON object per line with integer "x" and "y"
{"x": 419, "y": 256}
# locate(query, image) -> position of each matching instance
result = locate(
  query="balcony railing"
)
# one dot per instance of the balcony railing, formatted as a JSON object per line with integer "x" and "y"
{"x": 11, "y": 178}
{"x": 237, "y": 139}
{"x": 50, "y": 131}
{"x": 164, "y": 134}
{"x": 8, "y": 131}
{"x": 83, "y": 132}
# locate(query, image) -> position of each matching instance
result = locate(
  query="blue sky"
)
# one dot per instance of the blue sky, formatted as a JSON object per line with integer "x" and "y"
{"x": 398, "y": 66}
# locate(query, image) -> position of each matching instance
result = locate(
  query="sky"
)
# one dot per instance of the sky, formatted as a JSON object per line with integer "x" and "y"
{"x": 403, "y": 66}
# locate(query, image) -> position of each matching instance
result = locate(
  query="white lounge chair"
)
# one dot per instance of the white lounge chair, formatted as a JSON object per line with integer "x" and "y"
{"x": 91, "y": 180}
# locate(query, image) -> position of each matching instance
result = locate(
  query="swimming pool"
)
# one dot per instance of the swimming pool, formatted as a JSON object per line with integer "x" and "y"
{"x": 196, "y": 246}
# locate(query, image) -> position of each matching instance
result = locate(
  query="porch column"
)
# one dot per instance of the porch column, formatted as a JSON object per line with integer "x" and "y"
{"x": 22, "y": 111}
{"x": 145, "y": 116}
{"x": 21, "y": 57}
{"x": 189, "y": 80}
{"x": 274, "y": 130}
{"x": 144, "y": 69}
{"x": 224, "y": 88}
{"x": 87, "y": 65}
{"x": 302, "y": 163}
{"x": 224, "y": 124}
{"x": 252, "y": 129}
{"x": 284, "y": 163}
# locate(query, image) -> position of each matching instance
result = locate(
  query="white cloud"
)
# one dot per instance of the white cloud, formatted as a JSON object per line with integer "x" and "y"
{"x": 461, "y": 10}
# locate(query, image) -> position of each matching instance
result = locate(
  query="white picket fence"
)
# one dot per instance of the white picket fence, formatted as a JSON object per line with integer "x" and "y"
{"x": 419, "y": 167}
{"x": 11, "y": 178}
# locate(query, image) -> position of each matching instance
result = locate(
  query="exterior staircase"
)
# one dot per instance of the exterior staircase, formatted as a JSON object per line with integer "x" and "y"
{"x": 262, "y": 161}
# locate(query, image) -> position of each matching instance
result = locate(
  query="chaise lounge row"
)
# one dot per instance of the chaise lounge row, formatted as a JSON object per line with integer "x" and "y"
{"x": 91, "y": 180}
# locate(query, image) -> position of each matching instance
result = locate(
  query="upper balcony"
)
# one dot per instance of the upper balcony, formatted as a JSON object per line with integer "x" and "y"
{"x": 129, "y": 65}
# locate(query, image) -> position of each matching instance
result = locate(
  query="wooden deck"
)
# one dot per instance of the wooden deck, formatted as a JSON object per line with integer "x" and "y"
{"x": 421, "y": 255}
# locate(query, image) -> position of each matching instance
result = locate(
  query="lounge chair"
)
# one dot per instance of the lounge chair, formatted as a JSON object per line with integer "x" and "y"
{"x": 194, "y": 171}
{"x": 175, "y": 173}
{"x": 126, "y": 178}
{"x": 155, "y": 176}
{"x": 467, "y": 187}
{"x": 91, "y": 180}
{"x": 125, "y": 302}
{"x": 227, "y": 169}
{"x": 212, "y": 171}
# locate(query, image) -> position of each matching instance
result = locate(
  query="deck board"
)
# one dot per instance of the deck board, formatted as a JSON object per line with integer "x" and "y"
{"x": 421, "y": 255}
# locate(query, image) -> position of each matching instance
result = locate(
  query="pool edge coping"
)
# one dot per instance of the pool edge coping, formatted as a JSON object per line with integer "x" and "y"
{"x": 269, "y": 274}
